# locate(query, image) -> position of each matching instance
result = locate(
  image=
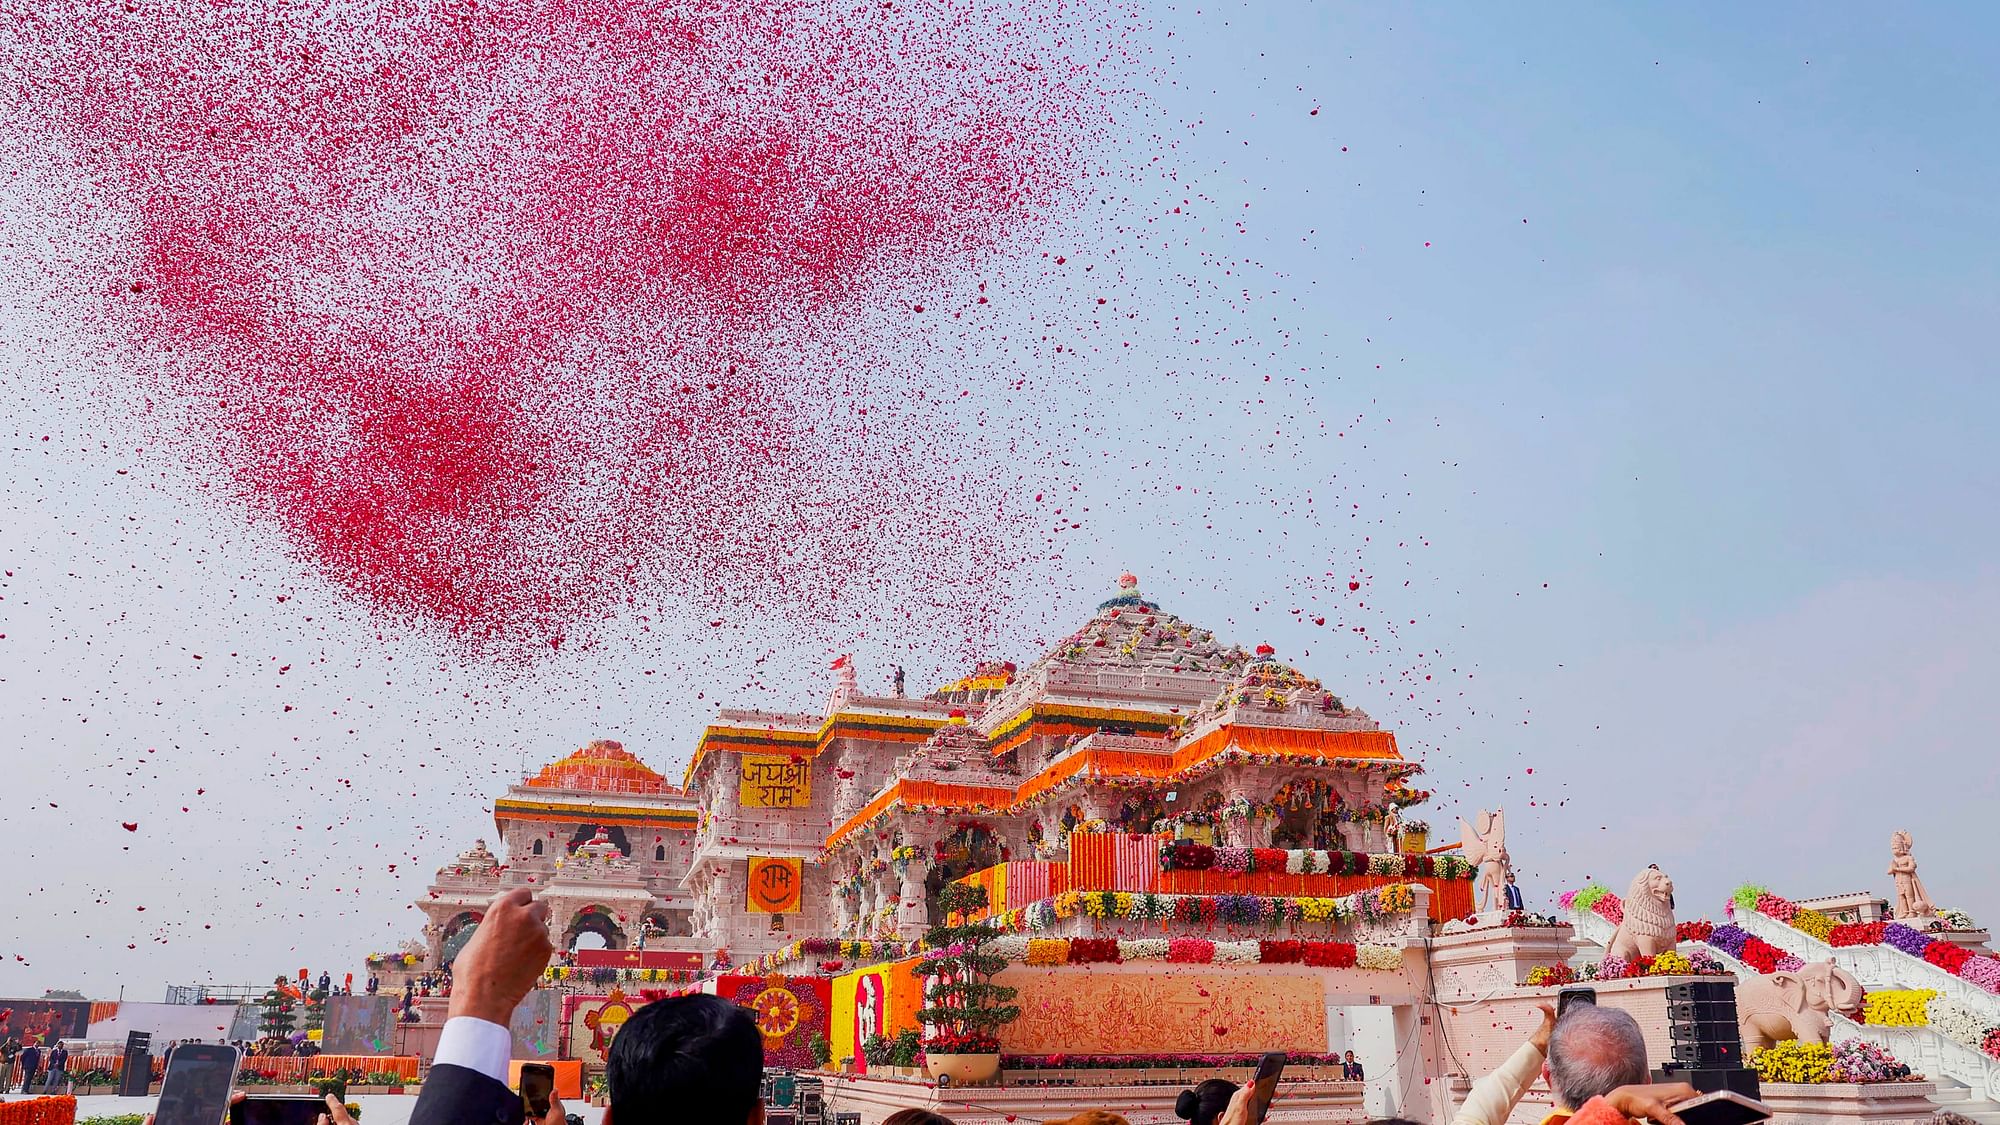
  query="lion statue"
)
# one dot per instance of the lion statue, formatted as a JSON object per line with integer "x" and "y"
{"x": 1648, "y": 927}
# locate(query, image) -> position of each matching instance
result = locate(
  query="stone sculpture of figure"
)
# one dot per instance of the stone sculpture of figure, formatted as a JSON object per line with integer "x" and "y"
{"x": 1486, "y": 849}
{"x": 1911, "y": 901}
{"x": 1392, "y": 829}
{"x": 1794, "y": 1005}
{"x": 1648, "y": 928}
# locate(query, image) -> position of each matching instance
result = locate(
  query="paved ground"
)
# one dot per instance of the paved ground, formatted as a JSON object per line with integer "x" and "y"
{"x": 376, "y": 1109}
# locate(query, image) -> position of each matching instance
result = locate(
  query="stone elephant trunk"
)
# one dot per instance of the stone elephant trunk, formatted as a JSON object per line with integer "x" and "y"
{"x": 1795, "y": 1005}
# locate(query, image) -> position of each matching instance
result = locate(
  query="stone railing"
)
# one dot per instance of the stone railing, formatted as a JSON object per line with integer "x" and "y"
{"x": 1128, "y": 743}
{"x": 1875, "y": 966}
{"x": 1250, "y": 714}
{"x": 1930, "y": 1054}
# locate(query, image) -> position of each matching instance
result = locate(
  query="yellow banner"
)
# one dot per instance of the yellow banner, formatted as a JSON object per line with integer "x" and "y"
{"x": 775, "y": 781}
{"x": 776, "y": 885}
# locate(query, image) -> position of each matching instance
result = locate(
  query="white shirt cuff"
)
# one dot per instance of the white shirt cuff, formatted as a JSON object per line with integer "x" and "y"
{"x": 475, "y": 1044}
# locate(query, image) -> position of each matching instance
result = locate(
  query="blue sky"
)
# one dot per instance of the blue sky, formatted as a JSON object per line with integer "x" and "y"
{"x": 1682, "y": 489}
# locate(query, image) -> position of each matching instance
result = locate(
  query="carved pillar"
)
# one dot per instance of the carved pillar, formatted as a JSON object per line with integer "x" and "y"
{"x": 845, "y": 901}
{"x": 434, "y": 941}
{"x": 913, "y": 915}
{"x": 726, "y": 904}
{"x": 887, "y": 895}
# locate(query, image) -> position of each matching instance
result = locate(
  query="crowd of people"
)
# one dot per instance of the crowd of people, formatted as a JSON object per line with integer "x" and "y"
{"x": 32, "y": 1067}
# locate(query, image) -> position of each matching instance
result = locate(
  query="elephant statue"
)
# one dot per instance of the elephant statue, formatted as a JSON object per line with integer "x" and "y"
{"x": 1794, "y": 1005}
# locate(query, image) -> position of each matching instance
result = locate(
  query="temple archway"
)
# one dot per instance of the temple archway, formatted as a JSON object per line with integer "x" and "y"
{"x": 612, "y": 832}
{"x": 457, "y": 932}
{"x": 594, "y": 922}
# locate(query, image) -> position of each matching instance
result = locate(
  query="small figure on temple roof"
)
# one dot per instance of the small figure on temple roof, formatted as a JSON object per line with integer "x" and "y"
{"x": 899, "y": 681}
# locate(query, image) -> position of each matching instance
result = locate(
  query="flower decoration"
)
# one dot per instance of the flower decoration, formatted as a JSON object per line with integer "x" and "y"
{"x": 1794, "y": 1060}
{"x": 1897, "y": 1007}
{"x": 1857, "y": 1060}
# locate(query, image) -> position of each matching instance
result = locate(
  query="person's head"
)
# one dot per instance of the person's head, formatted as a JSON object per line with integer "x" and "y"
{"x": 1204, "y": 1104}
{"x": 1593, "y": 1051}
{"x": 1350, "y": 1056}
{"x": 697, "y": 1060}
{"x": 916, "y": 1117}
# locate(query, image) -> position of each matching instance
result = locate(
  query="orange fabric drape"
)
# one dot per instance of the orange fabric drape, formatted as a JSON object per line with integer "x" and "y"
{"x": 1289, "y": 742}
{"x": 101, "y": 1010}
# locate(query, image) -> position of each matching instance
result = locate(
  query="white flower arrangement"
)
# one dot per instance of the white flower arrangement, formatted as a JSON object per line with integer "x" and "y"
{"x": 1014, "y": 947}
{"x": 1378, "y": 957}
{"x": 1385, "y": 863}
{"x": 1957, "y": 920}
{"x": 1143, "y": 949}
{"x": 1237, "y": 953}
{"x": 1956, "y": 1022}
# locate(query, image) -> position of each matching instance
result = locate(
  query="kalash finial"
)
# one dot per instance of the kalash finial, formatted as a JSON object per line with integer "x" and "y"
{"x": 1128, "y": 583}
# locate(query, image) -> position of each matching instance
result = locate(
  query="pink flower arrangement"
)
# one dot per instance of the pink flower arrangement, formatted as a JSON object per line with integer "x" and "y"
{"x": 1191, "y": 950}
{"x": 1771, "y": 906}
{"x": 1236, "y": 861}
{"x": 1983, "y": 972}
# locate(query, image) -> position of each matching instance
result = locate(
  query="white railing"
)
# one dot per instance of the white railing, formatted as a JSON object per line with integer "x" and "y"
{"x": 1931, "y": 1054}
{"x": 1875, "y": 966}
{"x": 1592, "y": 927}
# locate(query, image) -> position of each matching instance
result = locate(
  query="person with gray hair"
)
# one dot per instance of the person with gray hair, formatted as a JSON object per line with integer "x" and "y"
{"x": 1592, "y": 1052}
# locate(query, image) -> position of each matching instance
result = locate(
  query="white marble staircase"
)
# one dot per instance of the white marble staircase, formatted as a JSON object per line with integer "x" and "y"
{"x": 1875, "y": 966}
{"x": 1967, "y": 1080}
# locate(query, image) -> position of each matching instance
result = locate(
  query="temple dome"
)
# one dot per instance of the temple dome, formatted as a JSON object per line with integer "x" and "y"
{"x": 604, "y": 766}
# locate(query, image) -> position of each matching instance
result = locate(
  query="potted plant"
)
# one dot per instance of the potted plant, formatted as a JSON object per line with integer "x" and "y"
{"x": 903, "y": 1051}
{"x": 877, "y": 1052}
{"x": 962, "y": 1005}
{"x": 822, "y": 1051}
{"x": 599, "y": 1089}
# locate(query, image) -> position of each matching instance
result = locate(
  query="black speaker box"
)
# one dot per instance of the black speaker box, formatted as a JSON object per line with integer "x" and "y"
{"x": 1691, "y": 1011}
{"x": 137, "y": 1078}
{"x": 1695, "y": 1030}
{"x": 1711, "y": 991}
{"x": 1709, "y": 1079}
{"x": 1709, "y": 1053}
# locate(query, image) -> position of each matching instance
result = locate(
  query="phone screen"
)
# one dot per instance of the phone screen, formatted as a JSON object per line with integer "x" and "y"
{"x": 278, "y": 1109}
{"x": 1569, "y": 996}
{"x": 1723, "y": 1107}
{"x": 1265, "y": 1085}
{"x": 196, "y": 1089}
{"x": 538, "y": 1085}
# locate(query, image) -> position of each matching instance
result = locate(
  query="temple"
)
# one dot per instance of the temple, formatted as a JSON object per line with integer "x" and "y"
{"x": 846, "y": 824}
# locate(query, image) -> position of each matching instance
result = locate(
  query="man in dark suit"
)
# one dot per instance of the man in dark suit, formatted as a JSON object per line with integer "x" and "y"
{"x": 689, "y": 1060}
{"x": 467, "y": 1083}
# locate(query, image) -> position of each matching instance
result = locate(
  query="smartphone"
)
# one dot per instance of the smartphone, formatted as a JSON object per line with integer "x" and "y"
{"x": 278, "y": 1109}
{"x": 196, "y": 1089}
{"x": 1570, "y": 996}
{"x": 1264, "y": 1085}
{"x": 1723, "y": 1107}
{"x": 538, "y": 1085}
